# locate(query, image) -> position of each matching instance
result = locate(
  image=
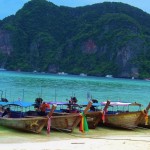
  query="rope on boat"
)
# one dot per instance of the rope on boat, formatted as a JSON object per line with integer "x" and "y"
{"x": 92, "y": 137}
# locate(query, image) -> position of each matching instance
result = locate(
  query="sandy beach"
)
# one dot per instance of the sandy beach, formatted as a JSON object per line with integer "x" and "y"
{"x": 103, "y": 143}
{"x": 103, "y": 139}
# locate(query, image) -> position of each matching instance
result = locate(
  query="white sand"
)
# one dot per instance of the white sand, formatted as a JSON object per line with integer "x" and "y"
{"x": 137, "y": 142}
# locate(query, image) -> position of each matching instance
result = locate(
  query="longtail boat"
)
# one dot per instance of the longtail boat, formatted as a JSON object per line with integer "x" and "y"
{"x": 122, "y": 118}
{"x": 17, "y": 120}
{"x": 67, "y": 121}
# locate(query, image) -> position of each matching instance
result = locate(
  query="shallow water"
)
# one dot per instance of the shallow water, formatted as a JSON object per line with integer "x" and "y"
{"x": 28, "y": 86}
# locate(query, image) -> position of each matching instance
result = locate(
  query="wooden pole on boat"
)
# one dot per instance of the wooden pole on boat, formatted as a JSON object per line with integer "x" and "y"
{"x": 147, "y": 108}
{"x": 146, "y": 114}
{"x": 104, "y": 111}
{"x": 78, "y": 119}
{"x": 52, "y": 110}
{"x": 1, "y": 94}
{"x": 55, "y": 93}
{"x": 106, "y": 106}
{"x": 5, "y": 93}
{"x": 88, "y": 107}
{"x": 41, "y": 92}
{"x": 23, "y": 95}
{"x": 49, "y": 118}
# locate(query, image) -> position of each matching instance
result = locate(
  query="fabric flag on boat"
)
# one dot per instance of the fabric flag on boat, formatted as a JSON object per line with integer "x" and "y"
{"x": 83, "y": 124}
{"x": 105, "y": 111}
{"x": 88, "y": 96}
{"x": 103, "y": 116}
{"x": 146, "y": 118}
{"x": 49, "y": 125}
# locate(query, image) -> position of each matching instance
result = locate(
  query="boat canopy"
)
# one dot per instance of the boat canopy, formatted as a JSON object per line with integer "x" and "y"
{"x": 58, "y": 103}
{"x": 117, "y": 103}
{"x": 84, "y": 104}
{"x": 64, "y": 103}
{"x": 19, "y": 103}
{"x": 3, "y": 103}
{"x": 113, "y": 103}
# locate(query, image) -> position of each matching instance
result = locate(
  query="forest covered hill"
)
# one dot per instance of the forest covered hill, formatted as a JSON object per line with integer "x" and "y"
{"x": 100, "y": 39}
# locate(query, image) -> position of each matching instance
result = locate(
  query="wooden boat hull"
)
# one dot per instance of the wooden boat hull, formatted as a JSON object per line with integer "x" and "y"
{"x": 34, "y": 124}
{"x": 93, "y": 118}
{"x": 127, "y": 120}
{"x": 65, "y": 122}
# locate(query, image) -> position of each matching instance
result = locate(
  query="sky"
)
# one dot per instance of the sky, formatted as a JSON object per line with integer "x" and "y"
{"x": 10, "y": 7}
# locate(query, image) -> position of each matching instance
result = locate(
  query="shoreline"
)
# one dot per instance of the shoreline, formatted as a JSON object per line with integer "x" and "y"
{"x": 75, "y": 75}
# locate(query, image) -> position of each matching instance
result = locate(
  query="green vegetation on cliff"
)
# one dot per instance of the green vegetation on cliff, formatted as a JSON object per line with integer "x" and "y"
{"x": 101, "y": 39}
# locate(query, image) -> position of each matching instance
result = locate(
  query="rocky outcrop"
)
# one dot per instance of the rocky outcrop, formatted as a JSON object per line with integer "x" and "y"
{"x": 5, "y": 42}
{"x": 5, "y": 47}
{"x": 89, "y": 47}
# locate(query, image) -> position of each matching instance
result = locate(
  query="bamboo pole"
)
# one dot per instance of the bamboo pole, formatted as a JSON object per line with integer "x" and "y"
{"x": 106, "y": 106}
{"x": 88, "y": 107}
{"x": 147, "y": 108}
{"x": 52, "y": 110}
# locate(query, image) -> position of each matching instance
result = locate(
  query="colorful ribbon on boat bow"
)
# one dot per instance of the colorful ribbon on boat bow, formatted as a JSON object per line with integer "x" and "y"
{"x": 145, "y": 117}
{"x": 103, "y": 116}
{"x": 49, "y": 125}
{"x": 83, "y": 124}
{"x": 146, "y": 120}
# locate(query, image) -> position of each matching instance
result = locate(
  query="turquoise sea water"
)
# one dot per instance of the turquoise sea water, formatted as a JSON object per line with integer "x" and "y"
{"x": 28, "y": 86}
